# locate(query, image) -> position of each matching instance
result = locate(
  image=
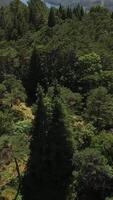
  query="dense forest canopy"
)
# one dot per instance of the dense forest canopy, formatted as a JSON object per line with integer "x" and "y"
{"x": 56, "y": 102}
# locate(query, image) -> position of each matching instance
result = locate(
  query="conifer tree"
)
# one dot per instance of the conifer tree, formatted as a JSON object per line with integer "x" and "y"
{"x": 51, "y": 18}
{"x": 79, "y": 11}
{"x": 69, "y": 13}
{"x": 62, "y": 12}
{"x": 32, "y": 77}
{"x": 34, "y": 181}
{"x": 38, "y": 73}
{"x": 82, "y": 11}
{"x": 37, "y": 13}
{"x": 60, "y": 9}
{"x": 112, "y": 15}
{"x": 60, "y": 152}
{"x": 2, "y": 17}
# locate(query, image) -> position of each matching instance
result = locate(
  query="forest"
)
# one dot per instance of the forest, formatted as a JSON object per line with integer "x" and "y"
{"x": 56, "y": 102}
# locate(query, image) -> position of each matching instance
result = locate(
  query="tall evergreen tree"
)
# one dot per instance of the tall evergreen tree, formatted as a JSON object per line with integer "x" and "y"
{"x": 51, "y": 18}
{"x": 32, "y": 77}
{"x": 38, "y": 73}
{"x": 17, "y": 20}
{"x": 37, "y": 13}
{"x": 34, "y": 181}
{"x": 60, "y": 152}
{"x": 69, "y": 13}
{"x": 79, "y": 11}
{"x": 2, "y": 17}
{"x": 112, "y": 15}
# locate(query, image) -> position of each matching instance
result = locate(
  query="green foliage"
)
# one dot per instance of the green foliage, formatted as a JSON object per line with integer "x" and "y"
{"x": 104, "y": 143}
{"x": 93, "y": 175}
{"x": 17, "y": 24}
{"x": 40, "y": 47}
{"x": 12, "y": 90}
{"x": 73, "y": 101}
{"x": 69, "y": 13}
{"x": 37, "y": 13}
{"x": 83, "y": 134}
{"x": 89, "y": 71}
{"x": 100, "y": 108}
{"x": 79, "y": 11}
{"x": 6, "y": 123}
{"x": 22, "y": 127}
{"x": 60, "y": 139}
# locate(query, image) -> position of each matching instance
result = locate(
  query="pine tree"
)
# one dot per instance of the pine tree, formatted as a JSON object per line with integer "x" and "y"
{"x": 60, "y": 9}
{"x": 37, "y": 13}
{"x": 62, "y": 12}
{"x": 34, "y": 181}
{"x": 112, "y": 15}
{"x": 51, "y": 18}
{"x": 79, "y": 11}
{"x": 82, "y": 12}
{"x": 38, "y": 73}
{"x": 17, "y": 22}
{"x": 60, "y": 151}
{"x": 69, "y": 13}
{"x": 2, "y": 17}
{"x": 32, "y": 77}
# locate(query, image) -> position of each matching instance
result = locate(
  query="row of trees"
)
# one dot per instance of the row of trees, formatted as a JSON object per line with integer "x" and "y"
{"x": 63, "y": 13}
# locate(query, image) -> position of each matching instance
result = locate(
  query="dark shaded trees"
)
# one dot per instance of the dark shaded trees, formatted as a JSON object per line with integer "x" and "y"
{"x": 49, "y": 169}
{"x": 37, "y": 13}
{"x": 94, "y": 176}
{"x": 38, "y": 73}
{"x": 51, "y": 18}
{"x": 34, "y": 181}
{"x": 60, "y": 151}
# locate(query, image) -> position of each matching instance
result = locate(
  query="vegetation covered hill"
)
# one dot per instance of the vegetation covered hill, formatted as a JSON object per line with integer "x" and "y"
{"x": 86, "y": 3}
{"x": 56, "y": 94}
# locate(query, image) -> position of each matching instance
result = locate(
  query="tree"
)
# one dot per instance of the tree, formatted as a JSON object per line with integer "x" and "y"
{"x": 69, "y": 13}
{"x": 38, "y": 73}
{"x": 2, "y": 17}
{"x": 16, "y": 20}
{"x": 93, "y": 175}
{"x": 104, "y": 143}
{"x": 60, "y": 152}
{"x": 62, "y": 12}
{"x": 100, "y": 108}
{"x": 51, "y": 18}
{"x": 37, "y": 13}
{"x": 6, "y": 123}
{"x": 78, "y": 11}
{"x": 34, "y": 181}
{"x": 89, "y": 71}
{"x": 112, "y": 15}
{"x": 13, "y": 90}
